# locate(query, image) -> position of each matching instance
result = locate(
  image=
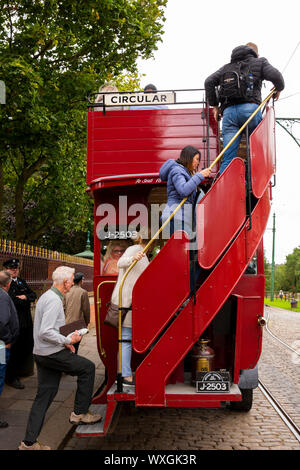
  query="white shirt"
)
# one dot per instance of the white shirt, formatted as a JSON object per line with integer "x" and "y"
{"x": 123, "y": 264}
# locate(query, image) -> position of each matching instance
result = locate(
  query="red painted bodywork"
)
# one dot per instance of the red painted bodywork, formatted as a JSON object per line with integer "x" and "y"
{"x": 217, "y": 221}
{"x": 125, "y": 152}
{"x": 194, "y": 319}
{"x": 148, "y": 295}
{"x": 138, "y": 142}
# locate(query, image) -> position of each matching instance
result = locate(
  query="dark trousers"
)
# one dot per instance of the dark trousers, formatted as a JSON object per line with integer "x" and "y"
{"x": 49, "y": 370}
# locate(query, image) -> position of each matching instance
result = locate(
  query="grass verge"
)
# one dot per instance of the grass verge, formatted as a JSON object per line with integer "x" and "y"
{"x": 286, "y": 304}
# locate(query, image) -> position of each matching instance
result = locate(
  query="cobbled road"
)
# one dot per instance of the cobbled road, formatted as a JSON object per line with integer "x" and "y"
{"x": 220, "y": 428}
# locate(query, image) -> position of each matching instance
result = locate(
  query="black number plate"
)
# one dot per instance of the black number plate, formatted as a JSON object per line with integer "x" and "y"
{"x": 212, "y": 382}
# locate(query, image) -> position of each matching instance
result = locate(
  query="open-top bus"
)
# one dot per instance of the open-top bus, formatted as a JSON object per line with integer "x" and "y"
{"x": 173, "y": 364}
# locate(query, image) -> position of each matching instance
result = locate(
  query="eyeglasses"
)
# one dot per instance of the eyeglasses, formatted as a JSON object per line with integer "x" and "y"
{"x": 118, "y": 251}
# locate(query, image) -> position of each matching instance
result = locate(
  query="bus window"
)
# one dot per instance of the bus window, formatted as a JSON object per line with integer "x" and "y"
{"x": 252, "y": 266}
{"x": 156, "y": 202}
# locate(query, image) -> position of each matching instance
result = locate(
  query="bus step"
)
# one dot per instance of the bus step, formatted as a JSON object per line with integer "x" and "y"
{"x": 185, "y": 395}
{"x": 97, "y": 429}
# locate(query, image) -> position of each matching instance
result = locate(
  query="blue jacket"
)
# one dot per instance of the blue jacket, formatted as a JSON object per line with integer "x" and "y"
{"x": 9, "y": 322}
{"x": 180, "y": 184}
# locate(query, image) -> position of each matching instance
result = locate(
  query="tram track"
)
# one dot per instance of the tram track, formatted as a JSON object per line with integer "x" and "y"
{"x": 284, "y": 415}
{"x": 278, "y": 339}
{"x": 295, "y": 430}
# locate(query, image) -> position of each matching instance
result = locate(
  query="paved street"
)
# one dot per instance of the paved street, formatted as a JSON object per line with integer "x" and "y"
{"x": 218, "y": 429}
{"x": 16, "y": 404}
{"x": 279, "y": 367}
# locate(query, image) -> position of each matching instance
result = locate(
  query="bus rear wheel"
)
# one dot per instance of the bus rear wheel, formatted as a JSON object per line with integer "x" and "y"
{"x": 246, "y": 403}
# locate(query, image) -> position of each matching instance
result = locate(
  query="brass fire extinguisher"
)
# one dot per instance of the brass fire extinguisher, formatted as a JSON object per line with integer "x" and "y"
{"x": 202, "y": 358}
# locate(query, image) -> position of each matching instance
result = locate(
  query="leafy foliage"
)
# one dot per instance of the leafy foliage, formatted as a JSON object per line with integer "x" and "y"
{"x": 286, "y": 276}
{"x": 53, "y": 54}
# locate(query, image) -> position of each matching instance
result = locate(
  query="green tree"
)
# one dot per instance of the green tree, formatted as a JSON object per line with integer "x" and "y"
{"x": 293, "y": 270}
{"x": 287, "y": 275}
{"x": 280, "y": 278}
{"x": 53, "y": 54}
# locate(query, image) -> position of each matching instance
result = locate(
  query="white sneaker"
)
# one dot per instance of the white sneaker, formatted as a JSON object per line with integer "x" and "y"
{"x": 87, "y": 418}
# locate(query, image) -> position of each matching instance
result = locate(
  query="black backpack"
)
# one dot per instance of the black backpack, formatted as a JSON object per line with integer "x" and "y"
{"x": 236, "y": 84}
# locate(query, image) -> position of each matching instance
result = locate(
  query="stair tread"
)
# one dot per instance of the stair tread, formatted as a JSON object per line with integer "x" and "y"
{"x": 180, "y": 389}
{"x": 93, "y": 429}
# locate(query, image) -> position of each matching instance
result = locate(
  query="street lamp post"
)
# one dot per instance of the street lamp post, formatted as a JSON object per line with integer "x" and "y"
{"x": 273, "y": 261}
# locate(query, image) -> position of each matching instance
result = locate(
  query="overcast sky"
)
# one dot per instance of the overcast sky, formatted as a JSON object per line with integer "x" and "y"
{"x": 199, "y": 37}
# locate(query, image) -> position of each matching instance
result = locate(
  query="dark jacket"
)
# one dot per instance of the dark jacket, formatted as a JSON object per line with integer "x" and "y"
{"x": 9, "y": 323}
{"x": 260, "y": 68}
{"x": 20, "y": 287}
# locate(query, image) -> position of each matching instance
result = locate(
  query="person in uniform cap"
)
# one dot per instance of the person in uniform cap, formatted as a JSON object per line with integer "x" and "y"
{"x": 21, "y": 358}
{"x": 77, "y": 304}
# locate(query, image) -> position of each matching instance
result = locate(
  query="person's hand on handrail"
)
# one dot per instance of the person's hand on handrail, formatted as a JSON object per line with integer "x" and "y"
{"x": 217, "y": 113}
{"x": 276, "y": 94}
{"x": 206, "y": 172}
{"x": 139, "y": 256}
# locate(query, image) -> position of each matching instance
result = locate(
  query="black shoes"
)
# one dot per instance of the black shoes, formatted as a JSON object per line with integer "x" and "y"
{"x": 127, "y": 382}
{"x": 16, "y": 384}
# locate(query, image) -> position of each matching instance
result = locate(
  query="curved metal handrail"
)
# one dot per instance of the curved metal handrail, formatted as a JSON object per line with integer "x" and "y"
{"x": 98, "y": 306}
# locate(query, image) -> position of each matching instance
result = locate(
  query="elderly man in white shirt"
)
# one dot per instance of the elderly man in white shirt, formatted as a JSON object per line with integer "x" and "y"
{"x": 54, "y": 354}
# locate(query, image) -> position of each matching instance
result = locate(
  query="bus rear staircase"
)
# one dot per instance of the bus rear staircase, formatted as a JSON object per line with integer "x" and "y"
{"x": 165, "y": 325}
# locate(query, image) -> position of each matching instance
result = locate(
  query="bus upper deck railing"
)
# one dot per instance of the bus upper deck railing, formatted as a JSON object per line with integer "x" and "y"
{"x": 113, "y": 99}
{"x": 121, "y": 132}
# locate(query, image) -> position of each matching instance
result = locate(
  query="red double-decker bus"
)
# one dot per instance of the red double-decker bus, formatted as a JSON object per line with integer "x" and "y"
{"x": 174, "y": 364}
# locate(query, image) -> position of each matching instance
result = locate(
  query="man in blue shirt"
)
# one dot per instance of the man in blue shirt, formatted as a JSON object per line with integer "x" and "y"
{"x": 9, "y": 327}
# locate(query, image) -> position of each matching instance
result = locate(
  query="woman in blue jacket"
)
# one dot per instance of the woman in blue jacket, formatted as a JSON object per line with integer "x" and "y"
{"x": 183, "y": 179}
